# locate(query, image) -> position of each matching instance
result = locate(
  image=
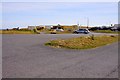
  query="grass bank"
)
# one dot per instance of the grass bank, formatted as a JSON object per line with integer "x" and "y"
{"x": 106, "y": 31}
{"x": 15, "y": 32}
{"x": 83, "y": 42}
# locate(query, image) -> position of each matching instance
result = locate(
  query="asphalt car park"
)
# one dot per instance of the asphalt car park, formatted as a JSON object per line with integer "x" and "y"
{"x": 26, "y": 56}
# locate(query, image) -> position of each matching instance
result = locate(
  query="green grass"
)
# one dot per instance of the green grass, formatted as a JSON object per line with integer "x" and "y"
{"x": 106, "y": 31}
{"x": 15, "y": 32}
{"x": 83, "y": 42}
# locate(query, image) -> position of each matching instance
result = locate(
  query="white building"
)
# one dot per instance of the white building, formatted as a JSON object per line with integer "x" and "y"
{"x": 31, "y": 27}
{"x": 116, "y": 25}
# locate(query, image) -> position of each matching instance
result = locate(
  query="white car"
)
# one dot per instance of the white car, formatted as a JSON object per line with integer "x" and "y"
{"x": 61, "y": 30}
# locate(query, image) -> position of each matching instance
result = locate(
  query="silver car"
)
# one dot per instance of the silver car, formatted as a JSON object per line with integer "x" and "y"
{"x": 85, "y": 31}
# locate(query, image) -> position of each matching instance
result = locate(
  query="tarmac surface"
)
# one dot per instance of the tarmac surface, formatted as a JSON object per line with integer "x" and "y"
{"x": 26, "y": 56}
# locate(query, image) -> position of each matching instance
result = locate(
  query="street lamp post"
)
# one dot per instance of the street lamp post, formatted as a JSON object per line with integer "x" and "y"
{"x": 87, "y": 22}
{"x": 78, "y": 25}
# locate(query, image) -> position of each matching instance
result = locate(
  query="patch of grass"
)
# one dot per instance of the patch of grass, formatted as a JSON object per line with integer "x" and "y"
{"x": 15, "y": 32}
{"x": 106, "y": 31}
{"x": 83, "y": 42}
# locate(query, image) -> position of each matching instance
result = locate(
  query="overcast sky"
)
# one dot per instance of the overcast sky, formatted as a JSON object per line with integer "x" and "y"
{"x": 23, "y": 14}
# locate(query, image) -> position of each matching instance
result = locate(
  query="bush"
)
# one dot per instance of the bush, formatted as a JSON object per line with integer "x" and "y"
{"x": 35, "y": 31}
{"x": 92, "y": 37}
{"x": 94, "y": 28}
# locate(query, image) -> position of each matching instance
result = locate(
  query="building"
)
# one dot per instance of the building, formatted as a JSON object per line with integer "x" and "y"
{"x": 31, "y": 27}
{"x": 37, "y": 27}
{"x": 65, "y": 27}
{"x": 116, "y": 25}
{"x": 48, "y": 26}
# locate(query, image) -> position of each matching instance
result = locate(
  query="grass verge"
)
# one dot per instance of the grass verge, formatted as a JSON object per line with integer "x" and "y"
{"x": 107, "y": 31}
{"x": 83, "y": 42}
{"x": 16, "y": 32}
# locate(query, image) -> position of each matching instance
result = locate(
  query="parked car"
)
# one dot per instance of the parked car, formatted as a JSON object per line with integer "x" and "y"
{"x": 56, "y": 30}
{"x": 85, "y": 31}
{"x": 60, "y": 30}
{"x": 53, "y": 32}
{"x": 114, "y": 29}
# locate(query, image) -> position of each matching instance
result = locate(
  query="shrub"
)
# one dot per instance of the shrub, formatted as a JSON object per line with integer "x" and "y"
{"x": 92, "y": 37}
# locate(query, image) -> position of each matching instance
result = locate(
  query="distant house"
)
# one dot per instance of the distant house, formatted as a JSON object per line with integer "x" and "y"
{"x": 16, "y": 28}
{"x": 48, "y": 26}
{"x": 65, "y": 27}
{"x": 37, "y": 27}
{"x": 31, "y": 27}
{"x": 116, "y": 27}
